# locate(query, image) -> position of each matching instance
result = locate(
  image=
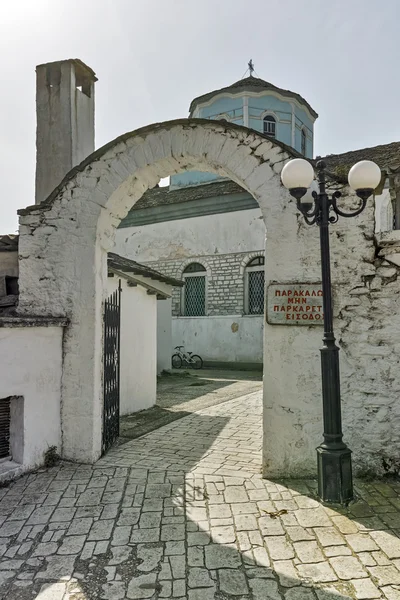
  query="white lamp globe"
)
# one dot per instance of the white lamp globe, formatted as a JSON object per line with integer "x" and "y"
{"x": 364, "y": 175}
{"x": 297, "y": 173}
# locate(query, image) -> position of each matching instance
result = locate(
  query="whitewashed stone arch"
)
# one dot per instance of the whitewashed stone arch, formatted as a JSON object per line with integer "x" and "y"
{"x": 64, "y": 242}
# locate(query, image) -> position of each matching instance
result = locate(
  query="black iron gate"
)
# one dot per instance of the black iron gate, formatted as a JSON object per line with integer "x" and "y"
{"x": 112, "y": 338}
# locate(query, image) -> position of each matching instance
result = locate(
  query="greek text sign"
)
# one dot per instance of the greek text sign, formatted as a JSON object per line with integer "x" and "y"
{"x": 295, "y": 304}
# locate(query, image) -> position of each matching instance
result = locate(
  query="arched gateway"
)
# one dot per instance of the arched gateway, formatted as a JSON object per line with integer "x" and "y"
{"x": 64, "y": 241}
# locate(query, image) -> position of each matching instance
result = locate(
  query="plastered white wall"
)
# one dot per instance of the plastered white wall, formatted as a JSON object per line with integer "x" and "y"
{"x": 233, "y": 338}
{"x": 31, "y": 366}
{"x": 138, "y": 352}
{"x": 240, "y": 231}
{"x": 219, "y": 235}
{"x": 164, "y": 334}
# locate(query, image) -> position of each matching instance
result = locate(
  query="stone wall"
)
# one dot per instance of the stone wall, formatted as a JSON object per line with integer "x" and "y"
{"x": 366, "y": 302}
{"x": 224, "y": 281}
{"x": 369, "y": 335}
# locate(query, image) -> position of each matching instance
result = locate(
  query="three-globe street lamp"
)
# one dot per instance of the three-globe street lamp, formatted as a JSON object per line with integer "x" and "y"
{"x": 335, "y": 482}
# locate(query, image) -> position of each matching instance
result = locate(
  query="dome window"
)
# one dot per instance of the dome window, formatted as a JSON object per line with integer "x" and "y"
{"x": 269, "y": 125}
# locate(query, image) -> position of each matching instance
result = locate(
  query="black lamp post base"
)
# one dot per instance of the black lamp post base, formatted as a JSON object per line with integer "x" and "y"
{"x": 335, "y": 481}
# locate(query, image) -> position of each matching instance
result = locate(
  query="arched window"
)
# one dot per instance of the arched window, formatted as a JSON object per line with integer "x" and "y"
{"x": 303, "y": 142}
{"x": 194, "y": 291}
{"x": 270, "y": 125}
{"x": 254, "y": 286}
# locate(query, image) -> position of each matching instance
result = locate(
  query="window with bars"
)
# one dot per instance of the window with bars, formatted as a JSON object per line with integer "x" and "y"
{"x": 254, "y": 286}
{"x": 270, "y": 125}
{"x": 194, "y": 291}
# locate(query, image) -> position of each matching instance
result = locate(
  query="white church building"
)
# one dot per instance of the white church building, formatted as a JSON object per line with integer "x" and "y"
{"x": 209, "y": 231}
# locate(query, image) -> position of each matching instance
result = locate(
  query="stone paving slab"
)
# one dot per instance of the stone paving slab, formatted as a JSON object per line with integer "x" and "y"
{"x": 183, "y": 513}
{"x": 181, "y": 392}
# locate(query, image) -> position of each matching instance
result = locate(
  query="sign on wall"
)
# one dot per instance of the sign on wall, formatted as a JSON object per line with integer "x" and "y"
{"x": 295, "y": 304}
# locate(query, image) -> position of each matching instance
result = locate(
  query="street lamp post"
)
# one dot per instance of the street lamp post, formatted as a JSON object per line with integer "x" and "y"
{"x": 335, "y": 483}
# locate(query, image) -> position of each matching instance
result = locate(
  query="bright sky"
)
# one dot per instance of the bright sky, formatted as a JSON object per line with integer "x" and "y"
{"x": 153, "y": 56}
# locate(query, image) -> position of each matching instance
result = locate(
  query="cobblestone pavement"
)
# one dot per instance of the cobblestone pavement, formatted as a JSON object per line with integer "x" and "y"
{"x": 181, "y": 392}
{"x": 183, "y": 513}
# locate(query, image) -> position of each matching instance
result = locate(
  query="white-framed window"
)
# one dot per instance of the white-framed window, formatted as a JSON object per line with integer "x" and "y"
{"x": 269, "y": 125}
{"x": 194, "y": 290}
{"x": 303, "y": 142}
{"x": 254, "y": 286}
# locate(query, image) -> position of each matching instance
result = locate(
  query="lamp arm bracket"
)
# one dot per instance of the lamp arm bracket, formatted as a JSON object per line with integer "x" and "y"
{"x": 340, "y": 212}
{"x": 307, "y": 209}
{"x": 310, "y": 220}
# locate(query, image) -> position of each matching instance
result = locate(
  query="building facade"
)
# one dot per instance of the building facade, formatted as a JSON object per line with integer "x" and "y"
{"x": 209, "y": 231}
{"x": 214, "y": 235}
{"x": 219, "y": 255}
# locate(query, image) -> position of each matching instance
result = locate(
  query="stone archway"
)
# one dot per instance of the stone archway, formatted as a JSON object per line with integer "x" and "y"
{"x": 64, "y": 241}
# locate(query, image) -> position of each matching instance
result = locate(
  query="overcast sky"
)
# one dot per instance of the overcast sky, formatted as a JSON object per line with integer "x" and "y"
{"x": 153, "y": 56}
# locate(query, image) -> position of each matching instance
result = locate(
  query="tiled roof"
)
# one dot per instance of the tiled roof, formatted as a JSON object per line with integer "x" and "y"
{"x": 159, "y": 196}
{"x": 386, "y": 157}
{"x": 9, "y": 243}
{"x": 250, "y": 84}
{"x": 126, "y": 265}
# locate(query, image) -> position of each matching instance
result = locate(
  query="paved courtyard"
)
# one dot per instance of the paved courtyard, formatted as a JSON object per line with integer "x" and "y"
{"x": 183, "y": 513}
{"x": 182, "y": 392}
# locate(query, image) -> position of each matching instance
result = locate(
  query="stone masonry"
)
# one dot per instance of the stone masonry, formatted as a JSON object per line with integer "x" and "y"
{"x": 183, "y": 513}
{"x": 224, "y": 281}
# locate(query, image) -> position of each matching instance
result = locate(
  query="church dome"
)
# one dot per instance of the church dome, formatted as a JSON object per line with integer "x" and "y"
{"x": 250, "y": 84}
{"x": 259, "y": 105}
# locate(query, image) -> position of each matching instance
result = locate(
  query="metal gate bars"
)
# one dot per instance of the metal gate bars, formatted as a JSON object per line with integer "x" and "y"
{"x": 111, "y": 375}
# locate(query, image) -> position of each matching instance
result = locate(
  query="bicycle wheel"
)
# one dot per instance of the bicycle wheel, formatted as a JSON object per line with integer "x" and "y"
{"x": 176, "y": 361}
{"x": 197, "y": 361}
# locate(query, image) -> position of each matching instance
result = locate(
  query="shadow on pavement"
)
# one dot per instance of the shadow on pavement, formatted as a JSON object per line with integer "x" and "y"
{"x": 165, "y": 519}
{"x": 181, "y": 393}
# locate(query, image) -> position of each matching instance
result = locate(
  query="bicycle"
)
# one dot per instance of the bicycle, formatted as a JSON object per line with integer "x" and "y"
{"x": 188, "y": 357}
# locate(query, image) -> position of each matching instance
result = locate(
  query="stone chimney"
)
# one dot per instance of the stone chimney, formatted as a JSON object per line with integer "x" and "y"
{"x": 65, "y": 121}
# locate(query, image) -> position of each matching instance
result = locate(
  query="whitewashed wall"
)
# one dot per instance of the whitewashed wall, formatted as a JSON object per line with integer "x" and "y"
{"x": 220, "y": 240}
{"x": 138, "y": 347}
{"x": 233, "y": 338}
{"x": 30, "y": 367}
{"x": 164, "y": 334}
{"x": 366, "y": 304}
{"x": 54, "y": 253}
{"x": 240, "y": 231}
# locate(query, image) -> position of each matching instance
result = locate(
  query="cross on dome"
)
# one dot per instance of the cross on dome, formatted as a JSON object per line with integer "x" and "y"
{"x": 250, "y": 64}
